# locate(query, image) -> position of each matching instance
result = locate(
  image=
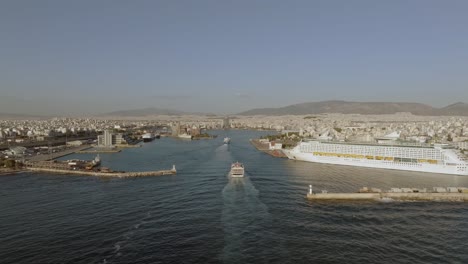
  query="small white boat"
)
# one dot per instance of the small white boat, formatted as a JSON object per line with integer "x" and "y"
{"x": 237, "y": 170}
{"x": 185, "y": 136}
{"x": 227, "y": 140}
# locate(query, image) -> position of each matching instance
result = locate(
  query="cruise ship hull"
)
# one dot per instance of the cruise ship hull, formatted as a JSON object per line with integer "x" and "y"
{"x": 381, "y": 164}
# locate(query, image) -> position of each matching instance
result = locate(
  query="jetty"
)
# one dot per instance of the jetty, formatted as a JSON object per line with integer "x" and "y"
{"x": 118, "y": 174}
{"x": 450, "y": 194}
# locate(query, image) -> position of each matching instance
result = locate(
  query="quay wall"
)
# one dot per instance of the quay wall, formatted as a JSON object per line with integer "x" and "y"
{"x": 106, "y": 174}
{"x": 344, "y": 196}
{"x": 428, "y": 196}
{"x": 265, "y": 148}
{"x": 387, "y": 195}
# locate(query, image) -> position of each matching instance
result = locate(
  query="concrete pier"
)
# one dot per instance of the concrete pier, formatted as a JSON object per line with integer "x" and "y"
{"x": 460, "y": 196}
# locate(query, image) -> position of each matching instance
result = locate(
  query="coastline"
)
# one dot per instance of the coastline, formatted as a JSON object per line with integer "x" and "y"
{"x": 5, "y": 172}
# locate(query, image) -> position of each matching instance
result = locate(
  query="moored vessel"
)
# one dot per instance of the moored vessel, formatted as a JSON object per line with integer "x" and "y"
{"x": 237, "y": 170}
{"x": 94, "y": 163}
{"x": 148, "y": 137}
{"x": 437, "y": 158}
{"x": 185, "y": 136}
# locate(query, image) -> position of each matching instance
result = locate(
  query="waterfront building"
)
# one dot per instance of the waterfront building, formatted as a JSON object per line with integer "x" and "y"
{"x": 75, "y": 143}
{"x": 17, "y": 151}
{"x": 226, "y": 123}
{"x": 105, "y": 140}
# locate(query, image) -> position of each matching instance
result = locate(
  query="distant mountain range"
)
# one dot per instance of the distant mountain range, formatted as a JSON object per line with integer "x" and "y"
{"x": 364, "y": 108}
{"x": 148, "y": 112}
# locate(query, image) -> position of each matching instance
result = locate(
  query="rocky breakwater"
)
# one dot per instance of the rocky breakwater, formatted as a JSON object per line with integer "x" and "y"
{"x": 449, "y": 194}
{"x": 104, "y": 173}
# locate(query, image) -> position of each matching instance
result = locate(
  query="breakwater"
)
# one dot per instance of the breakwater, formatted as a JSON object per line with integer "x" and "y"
{"x": 9, "y": 171}
{"x": 106, "y": 174}
{"x": 452, "y": 194}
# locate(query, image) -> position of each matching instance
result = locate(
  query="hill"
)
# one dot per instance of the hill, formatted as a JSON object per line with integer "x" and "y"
{"x": 364, "y": 108}
{"x": 459, "y": 108}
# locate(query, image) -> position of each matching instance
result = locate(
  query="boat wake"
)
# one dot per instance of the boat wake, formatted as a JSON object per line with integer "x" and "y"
{"x": 245, "y": 219}
{"x": 126, "y": 237}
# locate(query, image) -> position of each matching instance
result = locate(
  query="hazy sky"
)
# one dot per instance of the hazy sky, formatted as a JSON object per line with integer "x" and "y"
{"x": 62, "y": 57}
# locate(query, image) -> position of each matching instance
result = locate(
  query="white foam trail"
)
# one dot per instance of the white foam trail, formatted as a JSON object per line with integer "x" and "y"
{"x": 126, "y": 238}
{"x": 242, "y": 213}
{"x": 117, "y": 247}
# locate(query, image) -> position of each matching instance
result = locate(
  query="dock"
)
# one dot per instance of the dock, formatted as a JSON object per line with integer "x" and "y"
{"x": 264, "y": 147}
{"x": 450, "y": 194}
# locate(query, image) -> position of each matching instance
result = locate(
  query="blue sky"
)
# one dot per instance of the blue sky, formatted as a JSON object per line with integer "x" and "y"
{"x": 80, "y": 57}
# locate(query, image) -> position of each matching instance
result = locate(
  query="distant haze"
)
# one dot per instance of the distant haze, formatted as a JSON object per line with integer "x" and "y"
{"x": 364, "y": 108}
{"x": 92, "y": 57}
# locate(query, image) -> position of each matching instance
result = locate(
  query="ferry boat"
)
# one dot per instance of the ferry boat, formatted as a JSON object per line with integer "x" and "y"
{"x": 237, "y": 170}
{"x": 227, "y": 140}
{"x": 437, "y": 158}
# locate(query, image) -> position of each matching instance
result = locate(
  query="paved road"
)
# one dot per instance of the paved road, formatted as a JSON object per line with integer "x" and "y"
{"x": 58, "y": 154}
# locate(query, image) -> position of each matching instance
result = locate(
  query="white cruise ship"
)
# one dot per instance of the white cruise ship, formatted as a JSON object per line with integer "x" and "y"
{"x": 437, "y": 158}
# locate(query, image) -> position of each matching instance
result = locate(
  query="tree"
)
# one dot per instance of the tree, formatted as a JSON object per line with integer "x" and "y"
{"x": 449, "y": 138}
{"x": 10, "y": 163}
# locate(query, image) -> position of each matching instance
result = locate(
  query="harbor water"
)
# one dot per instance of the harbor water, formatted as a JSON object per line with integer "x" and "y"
{"x": 201, "y": 215}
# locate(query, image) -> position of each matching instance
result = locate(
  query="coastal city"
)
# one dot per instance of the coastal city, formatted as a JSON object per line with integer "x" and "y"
{"x": 334, "y": 127}
{"x": 233, "y": 132}
{"x": 38, "y": 140}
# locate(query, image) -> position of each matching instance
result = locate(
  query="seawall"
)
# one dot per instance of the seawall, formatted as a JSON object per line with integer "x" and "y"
{"x": 106, "y": 174}
{"x": 390, "y": 195}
